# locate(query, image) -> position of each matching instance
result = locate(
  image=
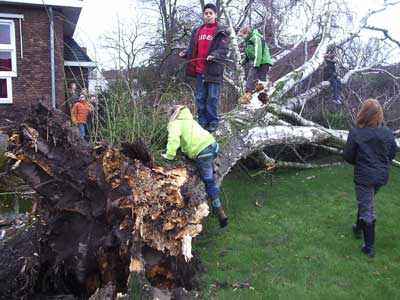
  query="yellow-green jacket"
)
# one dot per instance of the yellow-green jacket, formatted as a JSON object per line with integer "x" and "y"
{"x": 186, "y": 133}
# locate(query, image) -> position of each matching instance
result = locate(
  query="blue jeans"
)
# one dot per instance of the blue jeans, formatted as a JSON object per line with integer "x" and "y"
{"x": 205, "y": 166}
{"x": 207, "y": 97}
{"x": 83, "y": 131}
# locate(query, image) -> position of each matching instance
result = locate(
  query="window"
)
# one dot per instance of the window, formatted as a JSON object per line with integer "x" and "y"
{"x": 8, "y": 61}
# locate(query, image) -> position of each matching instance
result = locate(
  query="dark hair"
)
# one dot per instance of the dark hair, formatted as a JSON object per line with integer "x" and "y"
{"x": 210, "y": 6}
{"x": 370, "y": 114}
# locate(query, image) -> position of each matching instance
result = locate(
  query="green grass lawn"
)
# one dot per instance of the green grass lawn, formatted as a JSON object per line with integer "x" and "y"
{"x": 299, "y": 243}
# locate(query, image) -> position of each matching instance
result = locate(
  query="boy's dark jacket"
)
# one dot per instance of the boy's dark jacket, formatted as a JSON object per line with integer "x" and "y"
{"x": 219, "y": 48}
{"x": 370, "y": 150}
{"x": 330, "y": 69}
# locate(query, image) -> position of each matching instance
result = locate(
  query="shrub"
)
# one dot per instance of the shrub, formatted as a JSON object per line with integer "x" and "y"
{"x": 123, "y": 120}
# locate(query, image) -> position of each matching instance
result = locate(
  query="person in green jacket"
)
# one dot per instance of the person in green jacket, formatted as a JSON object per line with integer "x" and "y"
{"x": 256, "y": 52}
{"x": 198, "y": 144}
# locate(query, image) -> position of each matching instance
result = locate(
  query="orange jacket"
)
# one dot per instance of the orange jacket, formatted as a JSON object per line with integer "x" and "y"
{"x": 80, "y": 112}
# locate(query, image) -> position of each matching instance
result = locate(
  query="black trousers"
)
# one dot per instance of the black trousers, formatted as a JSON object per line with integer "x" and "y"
{"x": 255, "y": 74}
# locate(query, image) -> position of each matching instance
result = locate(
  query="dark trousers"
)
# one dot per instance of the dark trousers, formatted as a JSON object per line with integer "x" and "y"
{"x": 336, "y": 86}
{"x": 365, "y": 195}
{"x": 205, "y": 166}
{"x": 207, "y": 98}
{"x": 255, "y": 74}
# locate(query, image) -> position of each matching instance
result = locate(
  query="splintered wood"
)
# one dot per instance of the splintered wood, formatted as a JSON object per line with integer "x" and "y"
{"x": 162, "y": 216}
{"x": 106, "y": 221}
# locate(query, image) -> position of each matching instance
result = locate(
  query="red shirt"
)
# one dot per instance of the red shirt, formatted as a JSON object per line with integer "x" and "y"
{"x": 204, "y": 39}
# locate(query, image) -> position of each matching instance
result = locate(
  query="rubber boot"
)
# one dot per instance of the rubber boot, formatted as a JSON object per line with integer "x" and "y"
{"x": 369, "y": 239}
{"x": 357, "y": 228}
{"x": 222, "y": 218}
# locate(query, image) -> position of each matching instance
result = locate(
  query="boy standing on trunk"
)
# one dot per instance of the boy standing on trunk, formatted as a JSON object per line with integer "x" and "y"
{"x": 209, "y": 46}
{"x": 256, "y": 52}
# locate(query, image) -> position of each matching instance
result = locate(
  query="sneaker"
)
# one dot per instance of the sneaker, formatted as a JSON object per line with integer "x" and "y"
{"x": 211, "y": 128}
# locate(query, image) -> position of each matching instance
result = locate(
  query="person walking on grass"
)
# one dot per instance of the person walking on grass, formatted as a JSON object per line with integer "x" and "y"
{"x": 256, "y": 52}
{"x": 370, "y": 147}
{"x": 209, "y": 46}
{"x": 199, "y": 145}
{"x": 79, "y": 115}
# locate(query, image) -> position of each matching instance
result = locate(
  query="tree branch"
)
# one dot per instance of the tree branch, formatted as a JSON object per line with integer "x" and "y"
{"x": 385, "y": 33}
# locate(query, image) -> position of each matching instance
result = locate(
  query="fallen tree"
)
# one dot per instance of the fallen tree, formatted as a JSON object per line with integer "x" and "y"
{"x": 113, "y": 225}
{"x": 110, "y": 222}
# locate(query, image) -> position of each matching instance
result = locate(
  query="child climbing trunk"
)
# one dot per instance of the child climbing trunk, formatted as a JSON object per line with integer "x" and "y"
{"x": 198, "y": 144}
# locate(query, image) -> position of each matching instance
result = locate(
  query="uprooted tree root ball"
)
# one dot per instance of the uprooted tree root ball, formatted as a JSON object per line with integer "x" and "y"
{"x": 109, "y": 225}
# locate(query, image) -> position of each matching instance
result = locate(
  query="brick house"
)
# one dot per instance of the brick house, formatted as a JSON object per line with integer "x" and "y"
{"x": 38, "y": 56}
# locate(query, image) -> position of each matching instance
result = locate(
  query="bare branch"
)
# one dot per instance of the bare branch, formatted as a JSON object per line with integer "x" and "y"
{"x": 378, "y": 70}
{"x": 329, "y": 149}
{"x": 385, "y": 33}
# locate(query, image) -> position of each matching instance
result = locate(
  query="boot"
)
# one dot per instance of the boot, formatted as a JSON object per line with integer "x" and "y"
{"x": 369, "y": 239}
{"x": 357, "y": 228}
{"x": 258, "y": 87}
{"x": 222, "y": 218}
{"x": 245, "y": 99}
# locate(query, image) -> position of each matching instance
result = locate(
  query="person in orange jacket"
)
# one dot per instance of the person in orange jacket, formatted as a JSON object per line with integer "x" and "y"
{"x": 79, "y": 115}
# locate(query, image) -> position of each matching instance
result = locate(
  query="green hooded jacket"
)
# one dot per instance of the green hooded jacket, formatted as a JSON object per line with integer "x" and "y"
{"x": 254, "y": 45}
{"x": 186, "y": 133}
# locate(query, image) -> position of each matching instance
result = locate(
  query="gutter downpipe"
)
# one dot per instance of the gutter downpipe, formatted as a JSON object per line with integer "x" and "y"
{"x": 52, "y": 66}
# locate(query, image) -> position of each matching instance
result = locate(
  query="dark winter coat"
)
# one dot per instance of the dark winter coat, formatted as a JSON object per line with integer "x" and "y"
{"x": 330, "y": 69}
{"x": 370, "y": 150}
{"x": 219, "y": 48}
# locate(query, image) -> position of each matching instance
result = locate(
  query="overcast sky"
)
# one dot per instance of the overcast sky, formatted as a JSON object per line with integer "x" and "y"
{"x": 100, "y": 16}
{"x": 96, "y": 19}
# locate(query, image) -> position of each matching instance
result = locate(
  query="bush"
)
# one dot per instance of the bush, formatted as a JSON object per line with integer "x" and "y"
{"x": 123, "y": 120}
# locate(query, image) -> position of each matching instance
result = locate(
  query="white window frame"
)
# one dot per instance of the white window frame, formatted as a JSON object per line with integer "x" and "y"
{"x": 7, "y": 75}
{"x": 12, "y": 48}
{"x": 7, "y": 100}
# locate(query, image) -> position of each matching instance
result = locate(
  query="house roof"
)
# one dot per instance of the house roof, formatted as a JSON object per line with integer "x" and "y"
{"x": 68, "y": 10}
{"x": 74, "y": 55}
{"x": 59, "y": 3}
